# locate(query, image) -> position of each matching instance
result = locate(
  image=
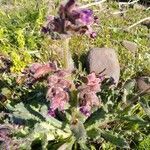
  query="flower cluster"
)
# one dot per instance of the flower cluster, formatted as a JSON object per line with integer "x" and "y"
{"x": 36, "y": 71}
{"x": 71, "y": 18}
{"x": 58, "y": 91}
{"x": 87, "y": 94}
{"x": 59, "y": 87}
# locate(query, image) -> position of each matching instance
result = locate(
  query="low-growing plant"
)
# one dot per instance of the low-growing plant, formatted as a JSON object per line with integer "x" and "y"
{"x": 75, "y": 111}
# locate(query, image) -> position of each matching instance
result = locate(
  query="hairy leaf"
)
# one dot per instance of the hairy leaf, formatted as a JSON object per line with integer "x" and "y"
{"x": 146, "y": 107}
{"x": 133, "y": 119}
{"x": 97, "y": 117}
{"x": 94, "y": 134}
{"x": 145, "y": 144}
{"x": 116, "y": 140}
{"x": 68, "y": 145}
{"x": 79, "y": 131}
{"x": 83, "y": 146}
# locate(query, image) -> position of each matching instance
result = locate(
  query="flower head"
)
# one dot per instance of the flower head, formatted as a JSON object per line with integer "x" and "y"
{"x": 37, "y": 71}
{"x": 85, "y": 17}
{"x": 71, "y": 18}
{"x": 57, "y": 93}
{"x": 58, "y": 97}
{"x": 87, "y": 94}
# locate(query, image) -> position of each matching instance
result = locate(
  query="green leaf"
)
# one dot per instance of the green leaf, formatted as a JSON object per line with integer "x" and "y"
{"x": 94, "y": 134}
{"x": 92, "y": 147}
{"x": 96, "y": 118}
{"x": 65, "y": 146}
{"x": 44, "y": 110}
{"x": 30, "y": 114}
{"x": 83, "y": 146}
{"x": 56, "y": 123}
{"x": 25, "y": 112}
{"x": 133, "y": 119}
{"x": 5, "y": 91}
{"x": 51, "y": 131}
{"x": 129, "y": 86}
{"x": 145, "y": 144}
{"x": 116, "y": 140}
{"x": 61, "y": 144}
{"x": 68, "y": 145}
{"x": 79, "y": 131}
{"x": 145, "y": 105}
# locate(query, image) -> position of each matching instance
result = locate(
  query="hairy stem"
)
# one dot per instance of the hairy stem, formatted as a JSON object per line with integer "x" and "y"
{"x": 66, "y": 52}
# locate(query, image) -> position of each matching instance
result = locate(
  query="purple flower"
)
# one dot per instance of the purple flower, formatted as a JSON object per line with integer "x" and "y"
{"x": 58, "y": 99}
{"x": 51, "y": 112}
{"x": 34, "y": 67}
{"x": 88, "y": 101}
{"x": 86, "y": 110}
{"x": 87, "y": 94}
{"x": 58, "y": 80}
{"x": 85, "y": 17}
{"x": 93, "y": 82}
{"x": 36, "y": 72}
{"x": 62, "y": 73}
{"x": 52, "y": 80}
{"x": 43, "y": 70}
{"x": 57, "y": 92}
{"x": 72, "y": 19}
{"x": 92, "y": 79}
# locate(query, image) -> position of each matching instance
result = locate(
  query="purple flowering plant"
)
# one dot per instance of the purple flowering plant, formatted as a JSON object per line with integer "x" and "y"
{"x": 69, "y": 96}
{"x": 60, "y": 85}
{"x": 71, "y": 19}
{"x": 76, "y": 109}
{"x": 64, "y": 95}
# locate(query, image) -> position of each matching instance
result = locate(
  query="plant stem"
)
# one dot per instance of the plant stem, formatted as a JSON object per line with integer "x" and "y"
{"x": 66, "y": 52}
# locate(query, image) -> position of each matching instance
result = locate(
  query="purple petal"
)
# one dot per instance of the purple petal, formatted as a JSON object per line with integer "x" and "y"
{"x": 51, "y": 112}
{"x": 44, "y": 30}
{"x": 88, "y": 12}
{"x": 85, "y": 110}
{"x": 93, "y": 35}
{"x": 87, "y": 16}
{"x": 52, "y": 80}
{"x": 33, "y": 68}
